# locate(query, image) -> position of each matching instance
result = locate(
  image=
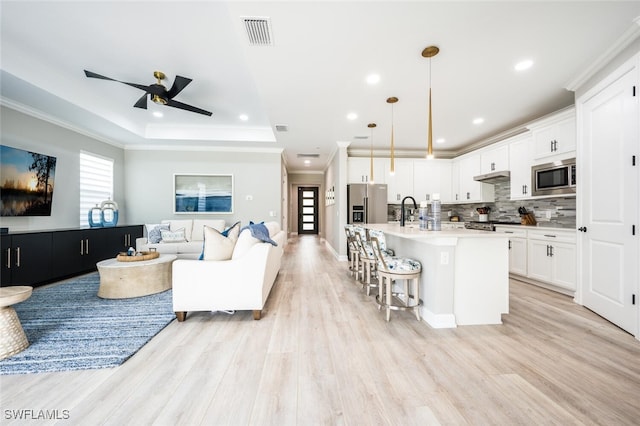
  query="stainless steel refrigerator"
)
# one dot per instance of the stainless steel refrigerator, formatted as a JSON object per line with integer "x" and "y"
{"x": 367, "y": 203}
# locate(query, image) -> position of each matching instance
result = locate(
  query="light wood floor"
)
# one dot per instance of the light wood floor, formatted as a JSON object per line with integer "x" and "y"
{"x": 323, "y": 354}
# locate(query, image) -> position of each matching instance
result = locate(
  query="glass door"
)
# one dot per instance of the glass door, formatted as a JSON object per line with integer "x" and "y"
{"x": 307, "y": 210}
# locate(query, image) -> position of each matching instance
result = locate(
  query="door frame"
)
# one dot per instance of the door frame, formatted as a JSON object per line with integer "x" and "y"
{"x": 316, "y": 215}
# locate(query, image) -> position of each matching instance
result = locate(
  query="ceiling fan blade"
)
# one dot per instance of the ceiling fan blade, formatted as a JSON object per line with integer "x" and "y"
{"x": 142, "y": 102}
{"x": 186, "y": 107}
{"x": 90, "y": 74}
{"x": 178, "y": 84}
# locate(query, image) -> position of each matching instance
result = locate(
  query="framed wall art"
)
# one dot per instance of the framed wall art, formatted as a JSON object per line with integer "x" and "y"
{"x": 201, "y": 193}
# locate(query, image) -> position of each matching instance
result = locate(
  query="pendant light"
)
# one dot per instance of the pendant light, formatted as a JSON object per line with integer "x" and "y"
{"x": 371, "y": 126}
{"x": 392, "y": 100}
{"x": 430, "y": 52}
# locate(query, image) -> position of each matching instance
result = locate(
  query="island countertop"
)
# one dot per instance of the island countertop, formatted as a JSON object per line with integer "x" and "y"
{"x": 414, "y": 231}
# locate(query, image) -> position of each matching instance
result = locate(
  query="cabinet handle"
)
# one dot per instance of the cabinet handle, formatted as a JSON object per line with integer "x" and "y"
{"x": 551, "y": 146}
{"x": 555, "y": 145}
{"x": 18, "y": 257}
{"x": 468, "y": 195}
{"x": 509, "y": 244}
{"x": 524, "y": 189}
{"x": 81, "y": 247}
{"x": 9, "y": 258}
{"x": 493, "y": 166}
{"x": 551, "y": 251}
{"x": 87, "y": 241}
{"x": 547, "y": 249}
{"x": 549, "y": 235}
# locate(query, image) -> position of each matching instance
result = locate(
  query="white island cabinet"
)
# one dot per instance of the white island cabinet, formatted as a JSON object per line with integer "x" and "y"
{"x": 465, "y": 273}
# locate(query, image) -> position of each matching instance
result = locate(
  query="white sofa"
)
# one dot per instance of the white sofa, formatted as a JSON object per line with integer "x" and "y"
{"x": 242, "y": 283}
{"x": 191, "y": 247}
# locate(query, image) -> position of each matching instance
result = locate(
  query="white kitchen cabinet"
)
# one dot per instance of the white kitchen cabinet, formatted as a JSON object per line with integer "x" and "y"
{"x": 494, "y": 159}
{"x": 469, "y": 190}
{"x": 401, "y": 183}
{"x": 359, "y": 169}
{"x": 520, "y": 160}
{"x": 517, "y": 248}
{"x": 554, "y": 138}
{"x": 552, "y": 257}
{"x": 431, "y": 177}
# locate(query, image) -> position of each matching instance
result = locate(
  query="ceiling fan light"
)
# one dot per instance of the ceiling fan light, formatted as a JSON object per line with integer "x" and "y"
{"x": 159, "y": 99}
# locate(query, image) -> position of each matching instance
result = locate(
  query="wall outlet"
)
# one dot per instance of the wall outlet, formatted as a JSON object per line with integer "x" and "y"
{"x": 548, "y": 214}
{"x": 444, "y": 258}
{"x": 249, "y": 198}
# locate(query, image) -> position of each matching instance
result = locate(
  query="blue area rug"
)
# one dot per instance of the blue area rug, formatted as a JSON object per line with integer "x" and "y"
{"x": 70, "y": 328}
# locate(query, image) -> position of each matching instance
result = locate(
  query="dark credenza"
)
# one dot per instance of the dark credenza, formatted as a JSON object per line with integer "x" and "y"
{"x": 35, "y": 258}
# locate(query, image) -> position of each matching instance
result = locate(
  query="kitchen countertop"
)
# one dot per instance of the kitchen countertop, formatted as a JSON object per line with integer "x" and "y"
{"x": 413, "y": 231}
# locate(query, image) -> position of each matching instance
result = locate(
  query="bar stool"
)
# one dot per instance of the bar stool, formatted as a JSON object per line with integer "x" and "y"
{"x": 354, "y": 252}
{"x": 367, "y": 259}
{"x": 391, "y": 269}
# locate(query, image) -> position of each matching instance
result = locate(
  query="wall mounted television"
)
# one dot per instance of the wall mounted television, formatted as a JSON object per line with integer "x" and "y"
{"x": 26, "y": 182}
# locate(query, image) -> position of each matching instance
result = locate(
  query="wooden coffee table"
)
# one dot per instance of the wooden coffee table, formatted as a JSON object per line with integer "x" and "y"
{"x": 122, "y": 280}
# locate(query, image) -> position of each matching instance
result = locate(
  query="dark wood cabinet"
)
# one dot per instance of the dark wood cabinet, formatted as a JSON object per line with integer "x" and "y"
{"x": 41, "y": 257}
{"x": 26, "y": 258}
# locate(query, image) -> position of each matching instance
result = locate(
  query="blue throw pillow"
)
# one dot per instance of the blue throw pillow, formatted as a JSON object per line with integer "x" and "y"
{"x": 259, "y": 231}
{"x": 155, "y": 235}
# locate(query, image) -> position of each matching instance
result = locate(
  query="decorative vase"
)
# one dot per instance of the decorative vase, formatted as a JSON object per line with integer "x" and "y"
{"x": 95, "y": 217}
{"x": 109, "y": 219}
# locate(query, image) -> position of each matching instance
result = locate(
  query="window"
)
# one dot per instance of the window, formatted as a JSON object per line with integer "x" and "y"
{"x": 96, "y": 183}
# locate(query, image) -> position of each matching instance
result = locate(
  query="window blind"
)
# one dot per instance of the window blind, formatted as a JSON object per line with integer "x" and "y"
{"x": 96, "y": 183}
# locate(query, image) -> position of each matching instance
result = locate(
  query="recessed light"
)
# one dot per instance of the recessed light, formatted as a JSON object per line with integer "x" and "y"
{"x": 441, "y": 140}
{"x": 307, "y": 162}
{"x": 243, "y": 117}
{"x": 478, "y": 120}
{"x": 157, "y": 114}
{"x": 373, "y": 79}
{"x": 352, "y": 116}
{"x": 523, "y": 65}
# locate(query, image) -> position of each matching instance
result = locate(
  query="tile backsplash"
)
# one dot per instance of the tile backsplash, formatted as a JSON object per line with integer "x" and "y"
{"x": 556, "y": 211}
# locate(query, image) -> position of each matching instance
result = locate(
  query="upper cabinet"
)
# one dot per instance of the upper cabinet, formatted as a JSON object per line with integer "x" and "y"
{"x": 520, "y": 160}
{"x": 400, "y": 184}
{"x": 494, "y": 159}
{"x": 359, "y": 170}
{"x": 466, "y": 189}
{"x": 431, "y": 177}
{"x": 554, "y": 138}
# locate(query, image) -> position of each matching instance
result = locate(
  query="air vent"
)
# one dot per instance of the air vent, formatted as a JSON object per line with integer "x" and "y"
{"x": 282, "y": 128}
{"x": 308, "y": 155}
{"x": 258, "y": 30}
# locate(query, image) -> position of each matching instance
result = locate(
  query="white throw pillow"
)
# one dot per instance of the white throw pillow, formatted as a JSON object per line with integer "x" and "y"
{"x": 217, "y": 246}
{"x": 185, "y": 224}
{"x": 176, "y": 236}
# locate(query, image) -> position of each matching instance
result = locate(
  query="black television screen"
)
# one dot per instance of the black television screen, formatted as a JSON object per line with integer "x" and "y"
{"x": 26, "y": 182}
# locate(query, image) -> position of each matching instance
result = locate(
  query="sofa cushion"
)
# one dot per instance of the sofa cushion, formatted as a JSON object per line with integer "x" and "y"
{"x": 219, "y": 245}
{"x": 154, "y": 235}
{"x": 175, "y": 224}
{"x": 173, "y": 236}
{"x": 197, "y": 232}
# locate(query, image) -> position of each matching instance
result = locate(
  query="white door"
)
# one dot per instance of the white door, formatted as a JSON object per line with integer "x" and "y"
{"x": 608, "y": 200}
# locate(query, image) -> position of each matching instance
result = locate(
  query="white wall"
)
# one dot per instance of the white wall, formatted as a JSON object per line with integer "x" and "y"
{"x": 149, "y": 183}
{"x": 23, "y": 131}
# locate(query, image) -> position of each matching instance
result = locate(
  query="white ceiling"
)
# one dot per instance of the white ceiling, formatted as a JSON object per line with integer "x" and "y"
{"x": 311, "y": 77}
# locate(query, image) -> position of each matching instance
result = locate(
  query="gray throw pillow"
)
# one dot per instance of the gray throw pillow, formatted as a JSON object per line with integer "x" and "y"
{"x": 155, "y": 235}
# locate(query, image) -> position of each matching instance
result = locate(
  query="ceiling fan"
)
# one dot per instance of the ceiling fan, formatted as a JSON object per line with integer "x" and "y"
{"x": 158, "y": 92}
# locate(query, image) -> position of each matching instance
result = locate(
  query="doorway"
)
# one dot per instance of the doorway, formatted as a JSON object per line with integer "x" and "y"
{"x": 307, "y": 210}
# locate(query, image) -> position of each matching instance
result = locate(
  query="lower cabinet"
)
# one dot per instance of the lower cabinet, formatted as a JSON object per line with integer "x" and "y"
{"x": 545, "y": 256}
{"x": 41, "y": 257}
{"x": 26, "y": 258}
{"x": 553, "y": 258}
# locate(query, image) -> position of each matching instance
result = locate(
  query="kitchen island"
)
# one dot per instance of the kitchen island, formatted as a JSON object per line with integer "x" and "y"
{"x": 465, "y": 273}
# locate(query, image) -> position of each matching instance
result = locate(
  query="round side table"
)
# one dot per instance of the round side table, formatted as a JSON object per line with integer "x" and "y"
{"x": 12, "y": 337}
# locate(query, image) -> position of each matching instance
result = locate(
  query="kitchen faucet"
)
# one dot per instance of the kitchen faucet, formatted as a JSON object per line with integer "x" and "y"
{"x": 415, "y": 206}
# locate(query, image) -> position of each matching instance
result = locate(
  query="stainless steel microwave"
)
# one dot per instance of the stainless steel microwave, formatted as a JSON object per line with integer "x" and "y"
{"x": 557, "y": 178}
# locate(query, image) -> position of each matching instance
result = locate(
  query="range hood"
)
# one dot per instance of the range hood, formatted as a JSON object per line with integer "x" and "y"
{"x": 494, "y": 177}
